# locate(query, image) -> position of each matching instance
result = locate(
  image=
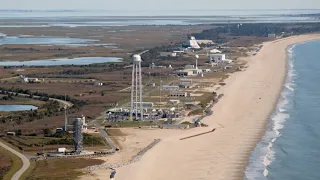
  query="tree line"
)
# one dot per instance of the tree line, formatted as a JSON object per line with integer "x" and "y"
{"x": 219, "y": 34}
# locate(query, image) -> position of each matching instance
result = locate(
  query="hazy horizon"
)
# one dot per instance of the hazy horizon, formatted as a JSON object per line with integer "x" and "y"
{"x": 158, "y": 5}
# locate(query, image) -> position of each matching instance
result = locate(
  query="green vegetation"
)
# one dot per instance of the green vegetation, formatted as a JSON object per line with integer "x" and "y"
{"x": 16, "y": 164}
{"x": 42, "y": 96}
{"x": 5, "y": 162}
{"x": 50, "y": 108}
{"x": 49, "y": 141}
{"x": 220, "y": 34}
{"x": 58, "y": 169}
{"x": 28, "y": 172}
{"x": 154, "y": 53}
{"x": 191, "y": 125}
{"x": 196, "y": 112}
{"x": 115, "y": 132}
{"x": 9, "y": 99}
{"x": 205, "y": 99}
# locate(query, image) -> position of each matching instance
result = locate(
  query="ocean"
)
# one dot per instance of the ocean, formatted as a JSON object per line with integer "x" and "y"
{"x": 290, "y": 149}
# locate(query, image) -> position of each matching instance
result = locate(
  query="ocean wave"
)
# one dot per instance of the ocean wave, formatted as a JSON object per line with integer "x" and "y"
{"x": 264, "y": 154}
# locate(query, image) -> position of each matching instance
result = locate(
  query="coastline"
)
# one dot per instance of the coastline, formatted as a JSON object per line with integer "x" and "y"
{"x": 241, "y": 117}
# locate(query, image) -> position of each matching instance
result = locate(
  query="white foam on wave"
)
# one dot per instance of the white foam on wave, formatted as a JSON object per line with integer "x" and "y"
{"x": 264, "y": 153}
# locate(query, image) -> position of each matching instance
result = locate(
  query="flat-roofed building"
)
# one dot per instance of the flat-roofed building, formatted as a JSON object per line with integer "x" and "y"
{"x": 178, "y": 94}
{"x": 217, "y": 58}
{"x": 186, "y": 82}
{"x": 184, "y": 73}
{"x": 208, "y": 42}
{"x": 145, "y": 105}
{"x": 174, "y": 101}
{"x": 189, "y": 67}
{"x": 170, "y": 88}
{"x": 168, "y": 54}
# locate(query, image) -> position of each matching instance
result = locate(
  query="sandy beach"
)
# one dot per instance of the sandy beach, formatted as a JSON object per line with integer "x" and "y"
{"x": 240, "y": 118}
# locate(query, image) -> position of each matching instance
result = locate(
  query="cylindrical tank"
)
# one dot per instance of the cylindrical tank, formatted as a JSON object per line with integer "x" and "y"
{"x": 136, "y": 58}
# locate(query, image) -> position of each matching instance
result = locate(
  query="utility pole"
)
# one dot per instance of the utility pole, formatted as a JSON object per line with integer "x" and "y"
{"x": 65, "y": 113}
{"x": 160, "y": 90}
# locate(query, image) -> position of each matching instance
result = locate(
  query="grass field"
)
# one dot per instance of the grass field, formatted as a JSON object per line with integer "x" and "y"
{"x": 15, "y": 163}
{"x": 5, "y": 162}
{"x": 33, "y": 144}
{"x": 61, "y": 169}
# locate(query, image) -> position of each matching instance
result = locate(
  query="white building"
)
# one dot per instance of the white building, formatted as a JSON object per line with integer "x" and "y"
{"x": 189, "y": 67}
{"x": 98, "y": 84}
{"x": 192, "y": 43}
{"x": 215, "y": 51}
{"x": 168, "y": 54}
{"x": 178, "y": 94}
{"x": 271, "y": 35}
{"x": 174, "y": 101}
{"x": 61, "y": 150}
{"x": 208, "y": 42}
{"x": 197, "y": 71}
{"x": 217, "y": 58}
{"x": 186, "y": 82}
{"x": 189, "y": 72}
{"x": 25, "y": 79}
{"x": 184, "y": 73}
{"x": 153, "y": 66}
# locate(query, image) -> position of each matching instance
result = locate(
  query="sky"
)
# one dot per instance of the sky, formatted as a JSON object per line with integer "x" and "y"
{"x": 158, "y": 4}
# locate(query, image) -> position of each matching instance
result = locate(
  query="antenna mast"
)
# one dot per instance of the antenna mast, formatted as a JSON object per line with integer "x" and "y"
{"x": 65, "y": 113}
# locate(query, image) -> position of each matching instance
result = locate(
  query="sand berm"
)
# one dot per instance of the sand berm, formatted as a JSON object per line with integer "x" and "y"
{"x": 240, "y": 118}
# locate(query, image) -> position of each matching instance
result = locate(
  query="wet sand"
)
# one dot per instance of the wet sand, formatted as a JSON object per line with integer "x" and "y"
{"x": 240, "y": 118}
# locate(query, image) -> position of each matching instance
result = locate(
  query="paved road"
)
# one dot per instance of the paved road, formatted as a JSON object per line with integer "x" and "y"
{"x": 66, "y": 103}
{"x": 25, "y": 161}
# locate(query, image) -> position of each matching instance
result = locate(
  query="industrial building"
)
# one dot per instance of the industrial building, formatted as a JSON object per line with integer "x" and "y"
{"x": 272, "y": 36}
{"x": 215, "y": 51}
{"x": 174, "y": 101}
{"x": 185, "y": 83}
{"x": 207, "y": 42}
{"x": 25, "y": 79}
{"x": 192, "y": 43}
{"x": 178, "y": 94}
{"x": 184, "y": 73}
{"x": 145, "y": 105}
{"x": 168, "y": 54}
{"x": 217, "y": 58}
{"x": 170, "y": 88}
{"x": 189, "y": 72}
{"x": 153, "y": 66}
{"x": 189, "y": 67}
{"x": 98, "y": 84}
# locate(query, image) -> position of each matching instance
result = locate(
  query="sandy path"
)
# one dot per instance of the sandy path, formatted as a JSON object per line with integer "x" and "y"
{"x": 243, "y": 112}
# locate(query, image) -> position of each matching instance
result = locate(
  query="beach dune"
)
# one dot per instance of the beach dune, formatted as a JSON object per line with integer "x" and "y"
{"x": 240, "y": 118}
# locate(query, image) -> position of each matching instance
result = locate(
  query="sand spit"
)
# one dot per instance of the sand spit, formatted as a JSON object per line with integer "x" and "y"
{"x": 240, "y": 118}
